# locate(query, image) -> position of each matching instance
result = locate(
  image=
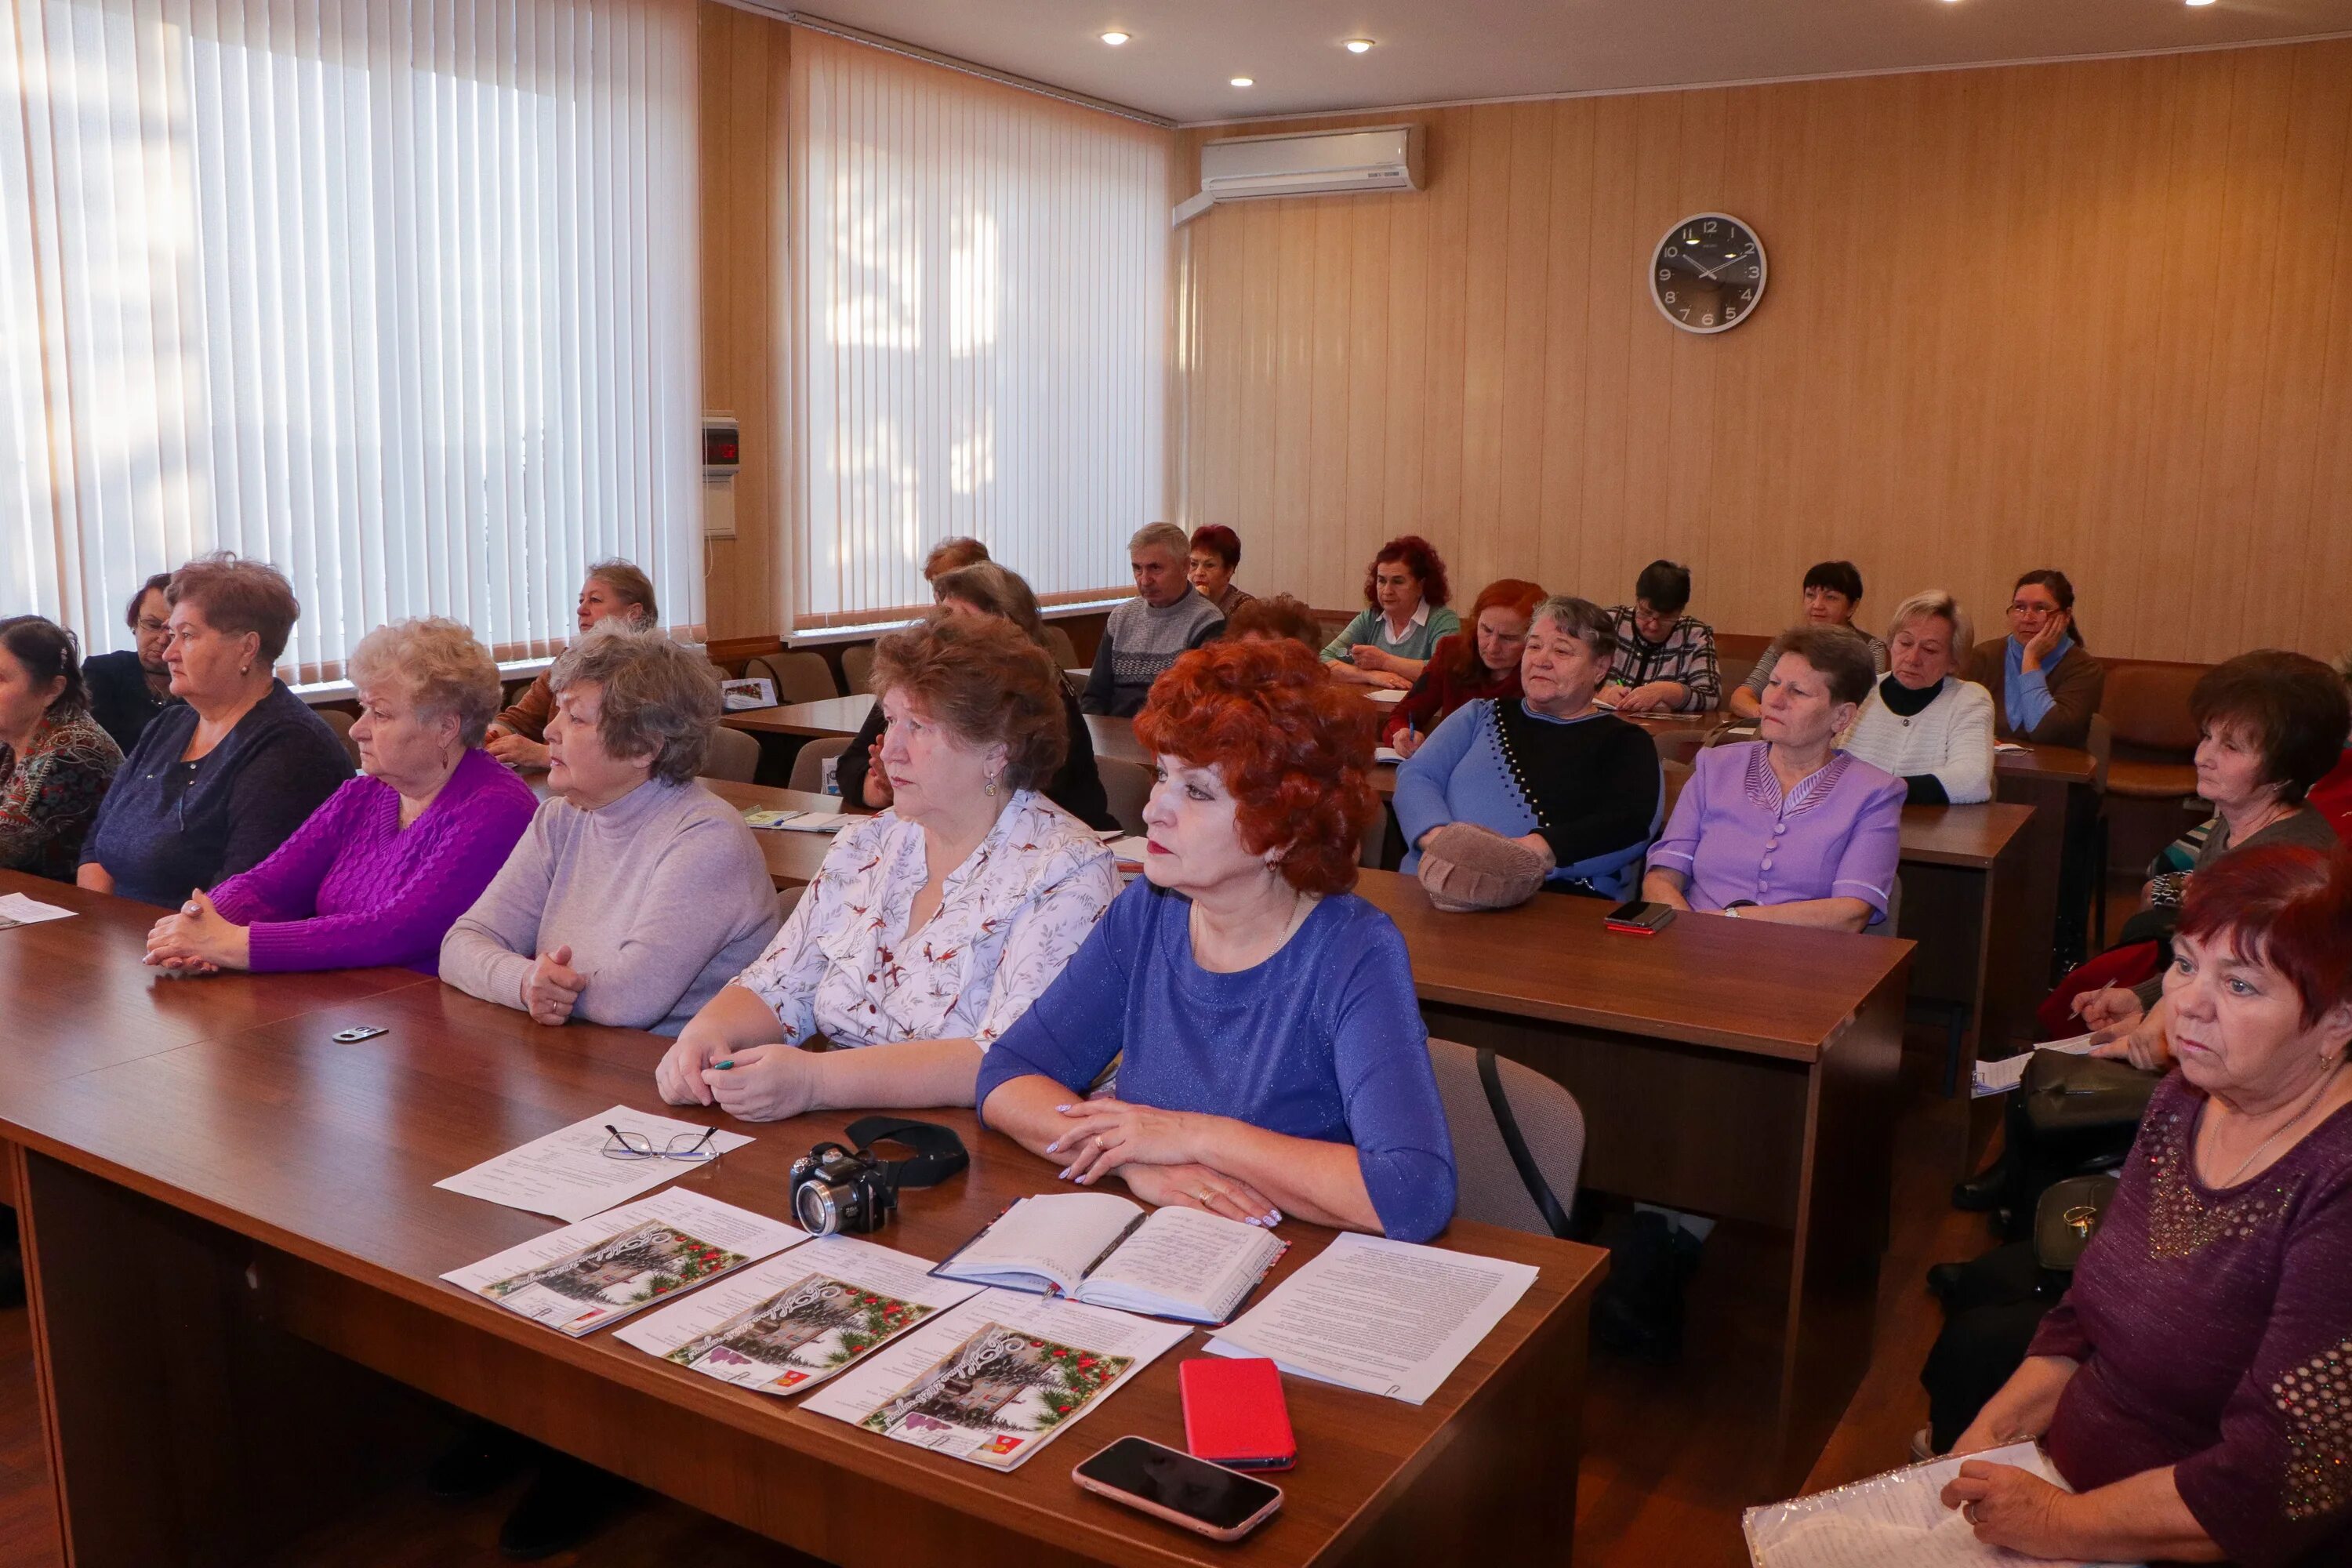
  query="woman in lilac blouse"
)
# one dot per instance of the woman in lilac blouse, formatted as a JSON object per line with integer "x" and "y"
{"x": 2194, "y": 1388}
{"x": 378, "y": 874}
{"x": 1789, "y": 828}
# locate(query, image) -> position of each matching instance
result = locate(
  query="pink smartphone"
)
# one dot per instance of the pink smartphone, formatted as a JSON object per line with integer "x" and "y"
{"x": 1222, "y": 1504}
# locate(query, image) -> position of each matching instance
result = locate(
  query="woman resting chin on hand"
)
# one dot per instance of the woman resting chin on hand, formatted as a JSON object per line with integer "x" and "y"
{"x": 1242, "y": 929}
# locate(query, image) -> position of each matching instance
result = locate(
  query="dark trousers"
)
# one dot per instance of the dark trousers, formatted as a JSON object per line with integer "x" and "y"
{"x": 1989, "y": 1321}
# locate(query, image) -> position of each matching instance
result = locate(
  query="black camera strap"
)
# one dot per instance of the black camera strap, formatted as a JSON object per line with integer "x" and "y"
{"x": 939, "y": 1153}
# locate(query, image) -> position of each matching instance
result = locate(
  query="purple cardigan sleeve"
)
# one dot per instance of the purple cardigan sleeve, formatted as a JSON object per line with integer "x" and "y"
{"x": 285, "y": 886}
{"x": 1873, "y": 850}
{"x": 406, "y": 915}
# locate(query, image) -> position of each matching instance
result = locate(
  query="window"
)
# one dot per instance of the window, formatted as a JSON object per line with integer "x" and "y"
{"x": 979, "y": 308}
{"x": 401, "y": 299}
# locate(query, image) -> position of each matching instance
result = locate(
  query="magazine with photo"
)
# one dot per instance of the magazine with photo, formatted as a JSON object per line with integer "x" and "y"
{"x": 996, "y": 1379}
{"x": 786, "y": 1325}
{"x": 1109, "y": 1251}
{"x": 599, "y": 1270}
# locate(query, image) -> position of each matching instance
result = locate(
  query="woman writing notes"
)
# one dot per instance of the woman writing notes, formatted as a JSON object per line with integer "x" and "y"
{"x": 1480, "y": 661}
{"x": 379, "y": 873}
{"x": 1271, "y": 1054}
{"x": 1403, "y": 619}
{"x": 1789, "y": 828}
{"x": 2192, "y": 1385}
{"x": 932, "y": 927}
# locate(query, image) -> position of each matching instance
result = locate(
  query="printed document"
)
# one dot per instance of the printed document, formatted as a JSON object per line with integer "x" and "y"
{"x": 16, "y": 909}
{"x": 2000, "y": 1077}
{"x": 593, "y": 1273}
{"x": 786, "y": 1325}
{"x": 1894, "y": 1520}
{"x": 568, "y": 1174}
{"x": 1387, "y": 1317}
{"x": 996, "y": 1379}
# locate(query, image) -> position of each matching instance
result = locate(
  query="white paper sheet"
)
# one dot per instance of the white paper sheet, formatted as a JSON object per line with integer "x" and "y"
{"x": 1056, "y": 1237}
{"x": 815, "y": 822}
{"x": 996, "y": 1379}
{"x": 1384, "y": 694}
{"x": 788, "y": 1324}
{"x": 772, "y": 816}
{"x": 1894, "y": 1520}
{"x": 568, "y": 1174}
{"x": 598, "y": 1271}
{"x": 1387, "y": 755}
{"x": 2000, "y": 1077}
{"x": 17, "y": 910}
{"x": 1387, "y": 1317}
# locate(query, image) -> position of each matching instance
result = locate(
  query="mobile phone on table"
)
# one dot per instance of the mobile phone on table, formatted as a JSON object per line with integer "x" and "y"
{"x": 1222, "y": 1504}
{"x": 1234, "y": 1414}
{"x": 1639, "y": 917}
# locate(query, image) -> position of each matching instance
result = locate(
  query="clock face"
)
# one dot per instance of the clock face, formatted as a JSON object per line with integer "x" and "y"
{"x": 1708, "y": 273}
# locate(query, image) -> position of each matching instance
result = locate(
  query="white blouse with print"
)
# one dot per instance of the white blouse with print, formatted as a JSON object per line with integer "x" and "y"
{"x": 1009, "y": 918}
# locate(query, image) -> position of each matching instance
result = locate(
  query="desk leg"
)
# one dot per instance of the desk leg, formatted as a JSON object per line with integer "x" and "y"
{"x": 1843, "y": 1215}
{"x": 181, "y": 1430}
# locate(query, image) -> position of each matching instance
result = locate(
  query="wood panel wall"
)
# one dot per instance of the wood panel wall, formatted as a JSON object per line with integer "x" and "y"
{"x": 746, "y": 64}
{"x": 2094, "y": 315}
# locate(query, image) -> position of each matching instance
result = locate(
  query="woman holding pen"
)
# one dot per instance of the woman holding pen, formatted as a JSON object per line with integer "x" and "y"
{"x": 1481, "y": 660}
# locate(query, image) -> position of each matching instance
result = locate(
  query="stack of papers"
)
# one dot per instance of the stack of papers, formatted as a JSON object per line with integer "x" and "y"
{"x": 16, "y": 909}
{"x": 1387, "y": 755}
{"x": 996, "y": 1379}
{"x": 568, "y": 1174}
{"x": 587, "y": 1275}
{"x": 1384, "y": 694}
{"x": 765, "y": 816}
{"x": 1894, "y": 1520}
{"x": 2000, "y": 1077}
{"x": 1386, "y": 1317}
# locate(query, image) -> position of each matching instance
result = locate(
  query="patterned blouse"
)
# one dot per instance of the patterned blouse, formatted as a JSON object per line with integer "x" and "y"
{"x": 2214, "y": 1334}
{"x": 48, "y": 797}
{"x": 1009, "y": 918}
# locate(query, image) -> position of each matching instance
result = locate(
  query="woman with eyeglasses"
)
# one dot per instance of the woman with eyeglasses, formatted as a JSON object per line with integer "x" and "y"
{"x": 130, "y": 686}
{"x": 220, "y": 781}
{"x": 2045, "y": 684}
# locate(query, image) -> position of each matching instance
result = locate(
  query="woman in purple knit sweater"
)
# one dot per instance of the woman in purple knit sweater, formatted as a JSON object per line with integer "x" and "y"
{"x": 381, "y": 872}
{"x": 2195, "y": 1385}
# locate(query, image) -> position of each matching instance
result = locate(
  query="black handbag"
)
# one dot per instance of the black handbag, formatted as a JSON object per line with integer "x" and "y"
{"x": 2064, "y": 1221}
{"x": 2066, "y": 1094}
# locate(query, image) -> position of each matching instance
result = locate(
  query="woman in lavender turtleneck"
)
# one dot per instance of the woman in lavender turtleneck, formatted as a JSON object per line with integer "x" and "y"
{"x": 2195, "y": 1387}
{"x": 379, "y": 873}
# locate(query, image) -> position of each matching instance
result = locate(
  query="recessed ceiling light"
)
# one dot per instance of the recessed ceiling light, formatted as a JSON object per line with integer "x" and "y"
{"x": 1245, "y": 81}
{"x": 1358, "y": 46}
{"x": 1114, "y": 39}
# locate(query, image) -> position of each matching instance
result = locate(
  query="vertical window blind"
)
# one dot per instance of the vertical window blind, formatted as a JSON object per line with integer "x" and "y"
{"x": 398, "y": 296}
{"x": 980, "y": 300}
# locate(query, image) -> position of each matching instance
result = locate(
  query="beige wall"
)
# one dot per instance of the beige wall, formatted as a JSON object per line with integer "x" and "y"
{"x": 746, "y": 69}
{"x": 2097, "y": 316}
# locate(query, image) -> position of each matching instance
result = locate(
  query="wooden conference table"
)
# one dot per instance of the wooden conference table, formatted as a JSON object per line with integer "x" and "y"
{"x": 233, "y": 1247}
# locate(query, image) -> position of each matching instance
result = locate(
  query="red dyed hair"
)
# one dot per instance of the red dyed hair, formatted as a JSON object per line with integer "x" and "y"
{"x": 1457, "y": 652}
{"x": 1220, "y": 541}
{"x": 2286, "y": 906}
{"x": 1294, "y": 749}
{"x": 1421, "y": 559}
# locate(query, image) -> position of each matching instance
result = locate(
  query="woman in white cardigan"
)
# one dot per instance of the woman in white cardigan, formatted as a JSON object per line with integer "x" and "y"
{"x": 1922, "y": 723}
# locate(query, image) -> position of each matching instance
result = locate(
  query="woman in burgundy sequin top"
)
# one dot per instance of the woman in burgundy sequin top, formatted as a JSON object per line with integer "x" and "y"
{"x": 2195, "y": 1387}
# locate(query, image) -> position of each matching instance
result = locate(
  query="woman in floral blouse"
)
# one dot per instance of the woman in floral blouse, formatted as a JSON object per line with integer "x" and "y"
{"x": 933, "y": 926}
{"x": 55, "y": 761}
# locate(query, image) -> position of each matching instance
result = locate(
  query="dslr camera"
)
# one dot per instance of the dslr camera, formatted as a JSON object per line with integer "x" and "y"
{"x": 839, "y": 1190}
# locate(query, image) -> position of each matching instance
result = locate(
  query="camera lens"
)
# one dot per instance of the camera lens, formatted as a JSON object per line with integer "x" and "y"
{"x": 818, "y": 1206}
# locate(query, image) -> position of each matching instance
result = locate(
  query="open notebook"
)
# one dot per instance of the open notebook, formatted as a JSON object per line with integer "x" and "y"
{"x": 1109, "y": 1251}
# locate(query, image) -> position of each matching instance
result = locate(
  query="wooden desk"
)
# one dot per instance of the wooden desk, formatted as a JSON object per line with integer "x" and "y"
{"x": 201, "y": 1221}
{"x": 829, "y": 716}
{"x": 1965, "y": 882}
{"x": 793, "y": 859}
{"x": 1730, "y": 1067}
{"x": 2056, "y": 782}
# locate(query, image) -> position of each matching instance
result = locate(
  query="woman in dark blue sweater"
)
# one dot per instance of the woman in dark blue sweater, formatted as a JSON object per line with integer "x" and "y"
{"x": 1271, "y": 1054}
{"x": 225, "y": 776}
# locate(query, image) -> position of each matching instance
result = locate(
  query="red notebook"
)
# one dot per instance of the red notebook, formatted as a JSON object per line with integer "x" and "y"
{"x": 1234, "y": 1414}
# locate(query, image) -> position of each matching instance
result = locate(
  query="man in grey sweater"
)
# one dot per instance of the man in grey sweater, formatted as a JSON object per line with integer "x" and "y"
{"x": 1152, "y": 631}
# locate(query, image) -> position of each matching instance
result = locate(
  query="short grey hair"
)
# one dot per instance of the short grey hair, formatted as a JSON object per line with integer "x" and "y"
{"x": 1936, "y": 602}
{"x": 1161, "y": 536}
{"x": 446, "y": 670}
{"x": 659, "y": 700}
{"x": 1581, "y": 619}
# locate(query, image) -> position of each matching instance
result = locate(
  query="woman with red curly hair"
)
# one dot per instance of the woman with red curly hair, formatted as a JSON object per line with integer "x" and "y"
{"x": 1481, "y": 659}
{"x": 1403, "y": 619}
{"x": 1272, "y": 1057}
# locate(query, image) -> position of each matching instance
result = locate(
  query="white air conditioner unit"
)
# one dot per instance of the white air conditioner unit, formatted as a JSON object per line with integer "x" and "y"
{"x": 1309, "y": 164}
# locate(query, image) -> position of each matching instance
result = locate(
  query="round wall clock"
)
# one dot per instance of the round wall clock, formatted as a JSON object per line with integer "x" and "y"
{"x": 1708, "y": 273}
